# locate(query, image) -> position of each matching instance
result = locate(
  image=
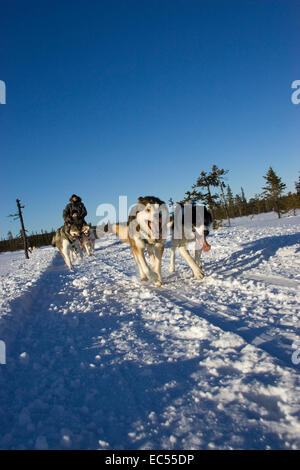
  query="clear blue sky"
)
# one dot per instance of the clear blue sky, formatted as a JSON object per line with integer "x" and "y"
{"x": 109, "y": 97}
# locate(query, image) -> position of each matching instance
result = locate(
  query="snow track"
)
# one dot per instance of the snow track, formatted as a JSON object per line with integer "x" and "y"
{"x": 96, "y": 359}
{"x": 273, "y": 340}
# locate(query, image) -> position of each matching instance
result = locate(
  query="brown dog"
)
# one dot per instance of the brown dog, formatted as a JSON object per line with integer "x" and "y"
{"x": 143, "y": 232}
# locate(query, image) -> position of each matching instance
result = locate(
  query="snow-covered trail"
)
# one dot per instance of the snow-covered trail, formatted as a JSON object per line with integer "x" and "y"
{"x": 96, "y": 359}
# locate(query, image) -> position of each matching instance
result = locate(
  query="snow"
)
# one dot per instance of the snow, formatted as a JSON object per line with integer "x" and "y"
{"x": 96, "y": 359}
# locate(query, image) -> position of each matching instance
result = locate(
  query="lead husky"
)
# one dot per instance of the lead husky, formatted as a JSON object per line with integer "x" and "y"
{"x": 143, "y": 232}
{"x": 66, "y": 239}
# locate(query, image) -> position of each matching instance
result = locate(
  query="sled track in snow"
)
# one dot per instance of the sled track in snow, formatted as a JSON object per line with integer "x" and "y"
{"x": 267, "y": 338}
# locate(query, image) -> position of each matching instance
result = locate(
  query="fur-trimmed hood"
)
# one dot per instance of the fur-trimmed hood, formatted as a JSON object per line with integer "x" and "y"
{"x": 78, "y": 198}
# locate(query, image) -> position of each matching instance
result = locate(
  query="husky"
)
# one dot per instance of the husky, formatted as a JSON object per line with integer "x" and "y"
{"x": 66, "y": 239}
{"x": 190, "y": 222}
{"x": 88, "y": 239}
{"x": 143, "y": 232}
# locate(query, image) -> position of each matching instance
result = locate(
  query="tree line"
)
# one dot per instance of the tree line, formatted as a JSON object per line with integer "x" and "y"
{"x": 211, "y": 190}
{"x": 36, "y": 240}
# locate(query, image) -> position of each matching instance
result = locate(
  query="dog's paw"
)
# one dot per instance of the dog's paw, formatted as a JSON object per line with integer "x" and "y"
{"x": 199, "y": 275}
{"x": 153, "y": 277}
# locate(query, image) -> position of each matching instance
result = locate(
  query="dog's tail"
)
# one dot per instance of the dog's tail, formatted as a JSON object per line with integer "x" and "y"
{"x": 54, "y": 239}
{"x": 118, "y": 229}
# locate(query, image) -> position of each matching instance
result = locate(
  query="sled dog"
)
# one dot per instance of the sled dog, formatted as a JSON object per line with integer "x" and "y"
{"x": 88, "y": 239}
{"x": 66, "y": 239}
{"x": 190, "y": 222}
{"x": 143, "y": 232}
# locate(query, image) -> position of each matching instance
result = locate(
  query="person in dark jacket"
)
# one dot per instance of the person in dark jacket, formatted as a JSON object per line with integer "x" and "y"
{"x": 75, "y": 212}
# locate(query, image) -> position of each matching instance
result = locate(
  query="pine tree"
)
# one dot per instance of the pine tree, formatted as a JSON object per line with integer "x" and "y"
{"x": 273, "y": 189}
{"x": 230, "y": 201}
{"x": 218, "y": 174}
{"x": 171, "y": 202}
{"x": 243, "y": 202}
{"x": 205, "y": 181}
{"x": 238, "y": 204}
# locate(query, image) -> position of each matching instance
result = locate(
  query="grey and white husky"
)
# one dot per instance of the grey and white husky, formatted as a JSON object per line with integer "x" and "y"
{"x": 66, "y": 239}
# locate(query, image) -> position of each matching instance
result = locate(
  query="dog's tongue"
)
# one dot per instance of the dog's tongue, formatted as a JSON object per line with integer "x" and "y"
{"x": 205, "y": 246}
{"x": 202, "y": 241}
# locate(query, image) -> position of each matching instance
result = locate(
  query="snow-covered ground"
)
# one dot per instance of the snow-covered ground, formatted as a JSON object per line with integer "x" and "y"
{"x": 95, "y": 359}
